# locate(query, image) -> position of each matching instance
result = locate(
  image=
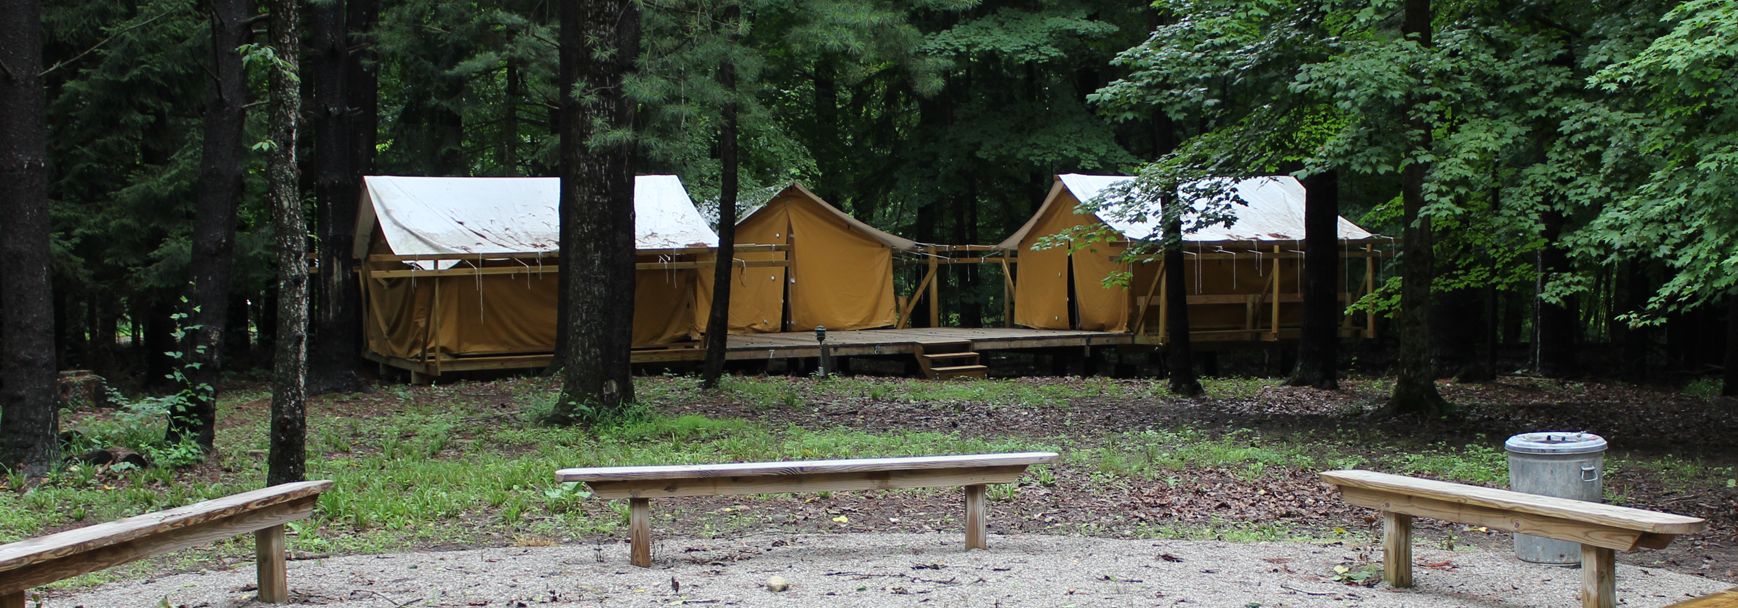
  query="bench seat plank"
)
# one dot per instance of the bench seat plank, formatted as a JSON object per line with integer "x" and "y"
{"x": 1610, "y": 516}
{"x": 1723, "y": 599}
{"x": 24, "y": 553}
{"x": 805, "y": 467}
{"x": 818, "y": 482}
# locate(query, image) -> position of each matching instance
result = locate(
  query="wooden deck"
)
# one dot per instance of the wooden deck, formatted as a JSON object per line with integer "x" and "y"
{"x": 797, "y": 344}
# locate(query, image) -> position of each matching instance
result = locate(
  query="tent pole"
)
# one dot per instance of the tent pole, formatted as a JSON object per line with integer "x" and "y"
{"x": 934, "y": 290}
{"x": 1007, "y": 293}
{"x": 1164, "y": 305}
{"x": 1276, "y": 262}
{"x": 1369, "y": 288}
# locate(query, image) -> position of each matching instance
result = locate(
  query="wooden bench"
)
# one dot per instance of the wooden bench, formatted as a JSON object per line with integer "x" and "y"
{"x": 640, "y": 484}
{"x": 1600, "y": 528}
{"x": 1723, "y": 599}
{"x": 39, "y": 561}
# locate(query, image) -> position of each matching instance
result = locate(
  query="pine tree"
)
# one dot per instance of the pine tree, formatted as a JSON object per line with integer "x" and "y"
{"x": 287, "y": 461}
{"x": 28, "y": 433}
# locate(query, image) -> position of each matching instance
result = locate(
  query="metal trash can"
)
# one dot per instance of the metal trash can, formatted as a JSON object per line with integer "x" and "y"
{"x": 1561, "y": 464}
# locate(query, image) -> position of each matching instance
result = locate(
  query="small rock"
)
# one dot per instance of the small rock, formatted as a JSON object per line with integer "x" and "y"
{"x": 777, "y": 583}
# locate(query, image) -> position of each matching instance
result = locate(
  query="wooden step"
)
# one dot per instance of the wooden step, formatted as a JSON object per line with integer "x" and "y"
{"x": 951, "y": 355}
{"x": 960, "y": 371}
{"x": 945, "y": 345}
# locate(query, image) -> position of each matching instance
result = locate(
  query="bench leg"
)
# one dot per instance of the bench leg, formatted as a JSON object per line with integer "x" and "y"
{"x": 12, "y": 600}
{"x": 977, "y": 518}
{"x": 269, "y": 556}
{"x": 1397, "y": 548}
{"x": 1598, "y": 577}
{"x": 640, "y": 531}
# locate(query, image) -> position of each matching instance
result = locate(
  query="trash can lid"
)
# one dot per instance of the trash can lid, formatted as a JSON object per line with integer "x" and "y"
{"x": 1555, "y": 442}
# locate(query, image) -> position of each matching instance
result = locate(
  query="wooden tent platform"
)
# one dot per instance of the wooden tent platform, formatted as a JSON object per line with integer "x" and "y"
{"x": 799, "y": 344}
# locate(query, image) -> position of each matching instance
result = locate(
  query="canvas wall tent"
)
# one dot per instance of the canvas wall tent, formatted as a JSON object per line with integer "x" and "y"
{"x": 840, "y": 274}
{"x": 1245, "y": 280}
{"x": 462, "y": 269}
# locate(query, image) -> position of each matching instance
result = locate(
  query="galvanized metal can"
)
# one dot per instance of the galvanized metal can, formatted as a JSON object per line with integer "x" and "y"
{"x": 1555, "y": 463}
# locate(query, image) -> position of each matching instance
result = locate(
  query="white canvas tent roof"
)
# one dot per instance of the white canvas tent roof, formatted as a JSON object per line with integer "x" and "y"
{"x": 498, "y": 215}
{"x": 1274, "y": 211}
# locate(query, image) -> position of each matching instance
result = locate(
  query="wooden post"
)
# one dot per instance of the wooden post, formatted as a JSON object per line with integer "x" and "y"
{"x": 934, "y": 291}
{"x": 12, "y": 600}
{"x": 1140, "y": 326}
{"x": 1276, "y": 262}
{"x": 640, "y": 531}
{"x": 977, "y": 518}
{"x": 1164, "y": 306}
{"x": 1369, "y": 288}
{"x": 1598, "y": 577}
{"x": 268, "y": 547}
{"x": 1007, "y": 293}
{"x": 1397, "y": 548}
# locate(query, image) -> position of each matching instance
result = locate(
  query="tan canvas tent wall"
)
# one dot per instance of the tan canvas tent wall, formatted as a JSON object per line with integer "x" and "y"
{"x": 841, "y": 274}
{"x": 464, "y": 267}
{"x": 1230, "y": 266}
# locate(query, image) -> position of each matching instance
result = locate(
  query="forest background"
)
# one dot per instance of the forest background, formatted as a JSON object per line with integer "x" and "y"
{"x": 1575, "y": 159}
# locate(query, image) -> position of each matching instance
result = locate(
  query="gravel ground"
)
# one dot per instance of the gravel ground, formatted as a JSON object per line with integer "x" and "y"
{"x": 901, "y": 570}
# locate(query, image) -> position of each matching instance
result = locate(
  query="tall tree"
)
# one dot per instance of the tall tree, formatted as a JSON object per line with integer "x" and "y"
{"x": 599, "y": 45}
{"x": 1180, "y": 379}
{"x": 1415, "y": 376}
{"x": 718, "y": 319}
{"x": 28, "y": 440}
{"x": 1319, "y": 339}
{"x": 213, "y": 244}
{"x": 287, "y": 461}
{"x": 336, "y": 346}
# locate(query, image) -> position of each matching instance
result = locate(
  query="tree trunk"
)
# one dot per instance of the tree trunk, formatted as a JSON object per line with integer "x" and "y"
{"x": 1181, "y": 376}
{"x": 599, "y": 44}
{"x": 337, "y": 345}
{"x": 1557, "y": 323}
{"x": 1730, "y": 388}
{"x": 718, "y": 321}
{"x": 1318, "y": 340}
{"x": 287, "y": 461}
{"x": 220, "y": 189}
{"x": 28, "y": 433}
{"x": 1415, "y": 380}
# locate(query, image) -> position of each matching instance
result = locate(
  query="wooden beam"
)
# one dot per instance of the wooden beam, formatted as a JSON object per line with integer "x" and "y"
{"x": 1007, "y": 294}
{"x": 739, "y": 470}
{"x": 1276, "y": 282}
{"x": 905, "y": 314}
{"x": 1585, "y": 513}
{"x": 1598, "y": 577}
{"x": 1723, "y": 599}
{"x": 1141, "y": 319}
{"x": 1397, "y": 549}
{"x": 819, "y": 482}
{"x": 67, "y": 565}
{"x": 1498, "y": 519}
{"x": 977, "y": 518}
{"x": 530, "y": 255}
{"x": 268, "y": 544}
{"x": 554, "y": 268}
{"x": 935, "y": 260}
{"x": 14, "y": 599}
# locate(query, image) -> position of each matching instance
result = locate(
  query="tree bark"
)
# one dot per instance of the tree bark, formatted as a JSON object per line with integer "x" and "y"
{"x": 1318, "y": 340}
{"x": 28, "y": 433}
{"x": 1558, "y": 324}
{"x": 718, "y": 321}
{"x": 1730, "y": 388}
{"x": 220, "y": 189}
{"x": 599, "y": 44}
{"x": 1415, "y": 378}
{"x": 336, "y": 346}
{"x": 287, "y": 461}
{"x": 1181, "y": 372}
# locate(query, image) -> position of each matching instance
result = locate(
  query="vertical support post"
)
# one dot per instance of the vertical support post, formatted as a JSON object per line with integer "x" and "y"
{"x": 934, "y": 290}
{"x": 1369, "y": 288}
{"x": 1164, "y": 307}
{"x": 268, "y": 545}
{"x": 1276, "y": 282}
{"x": 1007, "y": 292}
{"x": 12, "y": 600}
{"x": 640, "y": 531}
{"x": 435, "y": 326}
{"x": 1598, "y": 577}
{"x": 977, "y": 518}
{"x": 1397, "y": 548}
